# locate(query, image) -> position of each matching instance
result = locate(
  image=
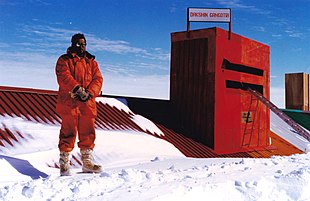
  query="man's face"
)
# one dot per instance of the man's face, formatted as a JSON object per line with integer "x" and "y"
{"x": 81, "y": 46}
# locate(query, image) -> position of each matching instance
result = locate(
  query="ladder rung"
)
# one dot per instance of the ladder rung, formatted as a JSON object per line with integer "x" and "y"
{"x": 248, "y": 130}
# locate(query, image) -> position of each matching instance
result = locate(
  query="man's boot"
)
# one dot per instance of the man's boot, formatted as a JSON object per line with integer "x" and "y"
{"x": 88, "y": 165}
{"x": 64, "y": 163}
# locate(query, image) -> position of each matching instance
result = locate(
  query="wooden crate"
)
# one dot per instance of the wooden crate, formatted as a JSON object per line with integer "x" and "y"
{"x": 297, "y": 91}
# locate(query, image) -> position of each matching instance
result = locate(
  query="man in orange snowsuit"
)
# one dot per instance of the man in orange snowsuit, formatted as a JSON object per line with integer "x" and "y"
{"x": 79, "y": 81}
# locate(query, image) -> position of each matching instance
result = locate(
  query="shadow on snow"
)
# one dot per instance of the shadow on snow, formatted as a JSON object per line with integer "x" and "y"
{"x": 24, "y": 167}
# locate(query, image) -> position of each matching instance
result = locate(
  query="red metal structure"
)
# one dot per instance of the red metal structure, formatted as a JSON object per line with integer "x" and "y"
{"x": 210, "y": 75}
{"x": 39, "y": 106}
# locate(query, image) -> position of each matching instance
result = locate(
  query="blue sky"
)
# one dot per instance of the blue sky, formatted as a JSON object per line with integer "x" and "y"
{"x": 131, "y": 39}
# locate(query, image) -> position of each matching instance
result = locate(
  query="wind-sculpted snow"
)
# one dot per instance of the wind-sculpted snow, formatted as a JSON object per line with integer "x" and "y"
{"x": 141, "y": 167}
{"x": 278, "y": 178}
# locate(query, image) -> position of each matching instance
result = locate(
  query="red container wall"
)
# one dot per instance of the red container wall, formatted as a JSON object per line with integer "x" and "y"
{"x": 209, "y": 74}
{"x": 233, "y": 132}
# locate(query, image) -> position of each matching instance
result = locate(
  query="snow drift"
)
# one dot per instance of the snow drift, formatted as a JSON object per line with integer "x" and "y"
{"x": 138, "y": 166}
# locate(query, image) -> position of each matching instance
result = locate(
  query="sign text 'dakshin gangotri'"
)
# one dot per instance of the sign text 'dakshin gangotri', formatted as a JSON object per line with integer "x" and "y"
{"x": 222, "y": 15}
{"x": 209, "y": 14}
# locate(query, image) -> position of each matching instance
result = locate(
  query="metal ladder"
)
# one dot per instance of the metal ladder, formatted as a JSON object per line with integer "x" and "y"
{"x": 249, "y": 125}
{"x": 302, "y": 132}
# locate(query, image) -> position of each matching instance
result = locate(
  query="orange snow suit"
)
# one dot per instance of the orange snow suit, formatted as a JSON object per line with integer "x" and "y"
{"x": 77, "y": 116}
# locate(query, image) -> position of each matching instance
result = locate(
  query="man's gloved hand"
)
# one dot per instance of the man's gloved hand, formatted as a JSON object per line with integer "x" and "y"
{"x": 81, "y": 94}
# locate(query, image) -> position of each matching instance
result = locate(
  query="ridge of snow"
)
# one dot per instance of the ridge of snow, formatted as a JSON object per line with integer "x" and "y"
{"x": 147, "y": 125}
{"x": 113, "y": 102}
{"x": 144, "y": 123}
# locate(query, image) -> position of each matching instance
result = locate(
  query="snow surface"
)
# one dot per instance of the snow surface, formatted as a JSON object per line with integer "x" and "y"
{"x": 138, "y": 166}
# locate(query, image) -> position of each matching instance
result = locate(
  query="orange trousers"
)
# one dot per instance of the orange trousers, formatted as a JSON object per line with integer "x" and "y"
{"x": 70, "y": 126}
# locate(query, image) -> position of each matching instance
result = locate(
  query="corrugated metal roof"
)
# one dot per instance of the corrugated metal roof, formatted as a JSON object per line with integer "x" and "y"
{"x": 34, "y": 105}
{"x": 39, "y": 106}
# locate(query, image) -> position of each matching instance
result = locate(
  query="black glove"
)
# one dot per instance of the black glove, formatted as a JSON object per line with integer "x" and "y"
{"x": 81, "y": 94}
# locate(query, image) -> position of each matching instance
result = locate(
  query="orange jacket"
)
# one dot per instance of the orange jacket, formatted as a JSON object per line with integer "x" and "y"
{"x": 72, "y": 71}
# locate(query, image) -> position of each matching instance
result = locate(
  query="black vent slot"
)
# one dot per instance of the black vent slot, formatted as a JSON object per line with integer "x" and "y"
{"x": 241, "y": 68}
{"x": 244, "y": 86}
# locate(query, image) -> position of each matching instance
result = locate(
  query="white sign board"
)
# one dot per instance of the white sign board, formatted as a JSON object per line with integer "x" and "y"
{"x": 209, "y": 15}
